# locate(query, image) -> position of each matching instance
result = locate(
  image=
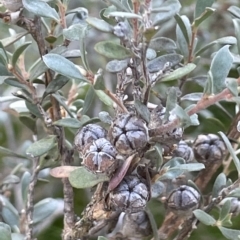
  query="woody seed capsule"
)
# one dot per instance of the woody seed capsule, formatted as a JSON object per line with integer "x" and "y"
{"x": 209, "y": 148}
{"x": 99, "y": 156}
{"x": 128, "y": 134}
{"x": 131, "y": 194}
{"x": 87, "y": 135}
{"x": 184, "y": 151}
{"x": 183, "y": 200}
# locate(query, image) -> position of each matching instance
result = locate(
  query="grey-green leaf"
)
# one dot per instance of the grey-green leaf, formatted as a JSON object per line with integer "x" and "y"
{"x": 179, "y": 73}
{"x": 55, "y": 85}
{"x": 10, "y": 153}
{"x": 159, "y": 152}
{"x": 231, "y": 234}
{"x": 74, "y": 32}
{"x": 224, "y": 40}
{"x": 204, "y": 217}
{"x": 38, "y": 69}
{"x": 82, "y": 178}
{"x": 166, "y": 11}
{"x": 9, "y": 213}
{"x": 115, "y": 66}
{"x": 41, "y": 8}
{"x": 225, "y": 209}
{"x": 232, "y": 85}
{"x": 231, "y": 151}
{"x": 33, "y": 109}
{"x": 206, "y": 14}
{"x": 102, "y": 238}
{"x": 3, "y": 57}
{"x": 172, "y": 97}
{"x": 62, "y": 66}
{"x": 220, "y": 67}
{"x": 183, "y": 26}
{"x": 5, "y": 231}
{"x": 15, "y": 83}
{"x": 235, "y": 11}
{"x": 142, "y": 110}
{"x": 62, "y": 102}
{"x": 235, "y": 193}
{"x": 88, "y": 100}
{"x": 112, "y": 50}
{"x": 184, "y": 118}
{"x": 183, "y": 32}
{"x": 124, "y": 15}
{"x": 10, "y": 179}
{"x": 26, "y": 178}
{"x": 192, "y": 97}
{"x": 162, "y": 43}
{"x": 68, "y": 122}
{"x": 18, "y": 52}
{"x": 99, "y": 24}
{"x": 219, "y": 184}
{"x": 201, "y": 6}
{"x": 236, "y": 24}
{"x": 190, "y": 167}
{"x": 12, "y": 39}
{"x": 158, "y": 63}
{"x": 104, "y": 97}
{"x": 17, "y": 236}
{"x": 42, "y": 146}
{"x": 44, "y": 209}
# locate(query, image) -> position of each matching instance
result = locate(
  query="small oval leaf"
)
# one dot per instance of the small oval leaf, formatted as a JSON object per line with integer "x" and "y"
{"x": 5, "y": 231}
{"x": 220, "y": 67}
{"x": 26, "y": 178}
{"x": 219, "y": 184}
{"x": 112, "y": 50}
{"x": 62, "y": 66}
{"x": 55, "y": 85}
{"x": 104, "y": 97}
{"x": 231, "y": 234}
{"x": 82, "y": 178}
{"x": 158, "y": 63}
{"x": 68, "y": 122}
{"x": 18, "y": 52}
{"x": 41, "y": 8}
{"x": 179, "y": 73}
{"x": 124, "y": 15}
{"x": 115, "y": 66}
{"x": 42, "y": 146}
{"x": 99, "y": 24}
{"x": 44, "y": 209}
{"x": 162, "y": 43}
{"x": 204, "y": 217}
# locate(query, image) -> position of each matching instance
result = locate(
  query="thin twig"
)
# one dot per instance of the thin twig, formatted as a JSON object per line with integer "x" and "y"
{"x": 116, "y": 100}
{"x": 204, "y": 103}
{"x": 135, "y": 20}
{"x": 30, "y": 204}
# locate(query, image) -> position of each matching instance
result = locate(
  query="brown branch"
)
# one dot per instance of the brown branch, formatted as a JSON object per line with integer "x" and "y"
{"x": 30, "y": 204}
{"x": 116, "y": 100}
{"x": 135, "y": 20}
{"x": 191, "y": 44}
{"x": 204, "y": 103}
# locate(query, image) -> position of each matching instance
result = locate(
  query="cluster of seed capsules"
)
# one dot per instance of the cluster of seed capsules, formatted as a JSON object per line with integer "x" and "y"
{"x": 102, "y": 150}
